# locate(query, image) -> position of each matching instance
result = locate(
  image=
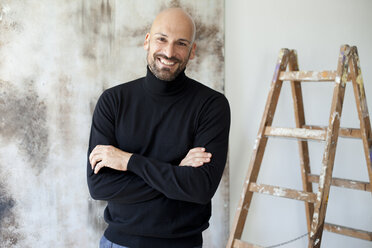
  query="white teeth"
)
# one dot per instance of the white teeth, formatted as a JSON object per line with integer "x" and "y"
{"x": 165, "y": 62}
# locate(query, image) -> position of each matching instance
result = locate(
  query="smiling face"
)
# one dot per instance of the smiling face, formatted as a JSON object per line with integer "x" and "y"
{"x": 170, "y": 43}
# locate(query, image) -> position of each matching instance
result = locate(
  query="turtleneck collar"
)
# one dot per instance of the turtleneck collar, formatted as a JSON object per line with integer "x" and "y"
{"x": 165, "y": 88}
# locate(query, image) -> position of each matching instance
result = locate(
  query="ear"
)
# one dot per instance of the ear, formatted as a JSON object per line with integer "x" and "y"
{"x": 192, "y": 52}
{"x": 146, "y": 43}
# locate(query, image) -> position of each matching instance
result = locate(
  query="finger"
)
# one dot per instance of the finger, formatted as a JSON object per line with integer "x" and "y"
{"x": 192, "y": 154}
{"x": 98, "y": 167}
{"x": 91, "y": 160}
{"x": 95, "y": 152}
{"x": 194, "y": 150}
{"x": 201, "y": 155}
{"x": 95, "y": 160}
{"x": 198, "y": 157}
{"x": 201, "y": 160}
{"x": 196, "y": 164}
{"x": 197, "y": 161}
{"x": 91, "y": 156}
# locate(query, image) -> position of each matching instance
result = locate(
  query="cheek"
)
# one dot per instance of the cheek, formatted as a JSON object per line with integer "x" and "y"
{"x": 150, "y": 54}
{"x": 185, "y": 55}
{"x": 155, "y": 50}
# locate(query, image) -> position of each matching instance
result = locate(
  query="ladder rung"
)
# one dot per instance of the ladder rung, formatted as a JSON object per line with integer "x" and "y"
{"x": 283, "y": 192}
{"x": 344, "y": 132}
{"x": 309, "y": 76}
{"x": 242, "y": 244}
{"x": 343, "y": 183}
{"x": 300, "y": 133}
{"x": 347, "y": 231}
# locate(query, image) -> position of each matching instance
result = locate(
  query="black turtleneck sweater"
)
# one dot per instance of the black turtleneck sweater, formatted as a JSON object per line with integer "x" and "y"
{"x": 157, "y": 203}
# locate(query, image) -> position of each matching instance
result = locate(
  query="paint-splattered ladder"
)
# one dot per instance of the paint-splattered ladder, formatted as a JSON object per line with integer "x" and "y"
{"x": 316, "y": 203}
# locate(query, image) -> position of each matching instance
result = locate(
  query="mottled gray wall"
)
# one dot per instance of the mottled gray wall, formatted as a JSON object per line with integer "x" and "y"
{"x": 56, "y": 57}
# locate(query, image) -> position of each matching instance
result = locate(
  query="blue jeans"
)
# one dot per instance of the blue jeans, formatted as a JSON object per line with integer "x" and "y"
{"x": 105, "y": 243}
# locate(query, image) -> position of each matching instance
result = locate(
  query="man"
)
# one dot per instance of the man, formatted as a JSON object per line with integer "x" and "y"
{"x": 151, "y": 145}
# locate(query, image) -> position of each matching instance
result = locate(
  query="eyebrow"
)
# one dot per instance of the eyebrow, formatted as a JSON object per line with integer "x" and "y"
{"x": 181, "y": 39}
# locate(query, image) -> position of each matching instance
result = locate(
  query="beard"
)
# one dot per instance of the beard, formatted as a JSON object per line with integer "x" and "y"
{"x": 165, "y": 74}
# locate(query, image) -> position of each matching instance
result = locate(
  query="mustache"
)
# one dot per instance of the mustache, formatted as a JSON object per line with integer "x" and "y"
{"x": 174, "y": 59}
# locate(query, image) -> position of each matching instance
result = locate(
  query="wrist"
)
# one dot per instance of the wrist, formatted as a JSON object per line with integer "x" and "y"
{"x": 126, "y": 158}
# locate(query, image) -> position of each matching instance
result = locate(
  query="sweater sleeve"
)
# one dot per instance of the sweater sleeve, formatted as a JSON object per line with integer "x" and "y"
{"x": 186, "y": 183}
{"x": 110, "y": 184}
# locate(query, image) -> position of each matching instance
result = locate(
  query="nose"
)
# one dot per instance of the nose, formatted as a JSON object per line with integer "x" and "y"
{"x": 169, "y": 50}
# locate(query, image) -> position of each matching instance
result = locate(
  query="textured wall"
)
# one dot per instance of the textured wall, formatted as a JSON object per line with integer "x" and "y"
{"x": 56, "y": 57}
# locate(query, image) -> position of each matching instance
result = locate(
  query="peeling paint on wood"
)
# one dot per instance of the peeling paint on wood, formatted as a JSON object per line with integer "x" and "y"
{"x": 301, "y": 133}
{"x": 282, "y": 192}
{"x": 344, "y": 183}
{"x": 310, "y": 76}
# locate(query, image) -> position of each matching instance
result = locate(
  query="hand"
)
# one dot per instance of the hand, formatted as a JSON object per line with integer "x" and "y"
{"x": 196, "y": 157}
{"x": 108, "y": 156}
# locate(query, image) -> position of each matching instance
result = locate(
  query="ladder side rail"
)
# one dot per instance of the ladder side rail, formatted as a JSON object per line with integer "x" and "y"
{"x": 302, "y": 144}
{"x": 361, "y": 103}
{"x": 330, "y": 149}
{"x": 258, "y": 150}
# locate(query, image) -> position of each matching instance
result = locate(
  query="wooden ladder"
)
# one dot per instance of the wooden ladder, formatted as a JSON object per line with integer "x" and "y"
{"x": 348, "y": 69}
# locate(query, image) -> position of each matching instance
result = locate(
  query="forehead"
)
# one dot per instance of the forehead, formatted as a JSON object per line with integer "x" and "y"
{"x": 175, "y": 33}
{"x": 173, "y": 26}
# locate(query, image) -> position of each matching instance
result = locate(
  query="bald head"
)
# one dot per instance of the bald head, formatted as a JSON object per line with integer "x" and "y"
{"x": 177, "y": 21}
{"x": 170, "y": 43}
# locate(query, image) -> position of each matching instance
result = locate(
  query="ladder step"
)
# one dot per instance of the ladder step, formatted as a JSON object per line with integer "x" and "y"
{"x": 242, "y": 244}
{"x": 309, "y": 76}
{"x": 311, "y": 132}
{"x": 343, "y": 183}
{"x": 347, "y": 231}
{"x": 300, "y": 133}
{"x": 344, "y": 132}
{"x": 283, "y": 192}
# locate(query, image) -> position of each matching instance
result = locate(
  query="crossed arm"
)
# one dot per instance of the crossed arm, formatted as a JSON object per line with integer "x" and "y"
{"x": 114, "y": 158}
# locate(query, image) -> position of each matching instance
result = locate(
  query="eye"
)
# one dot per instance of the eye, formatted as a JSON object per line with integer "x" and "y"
{"x": 162, "y": 39}
{"x": 182, "y": 44}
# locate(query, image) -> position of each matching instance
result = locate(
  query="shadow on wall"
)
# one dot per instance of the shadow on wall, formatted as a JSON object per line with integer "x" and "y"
{"x": 8, "y": 225}
{"x": 23, "y": 118}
